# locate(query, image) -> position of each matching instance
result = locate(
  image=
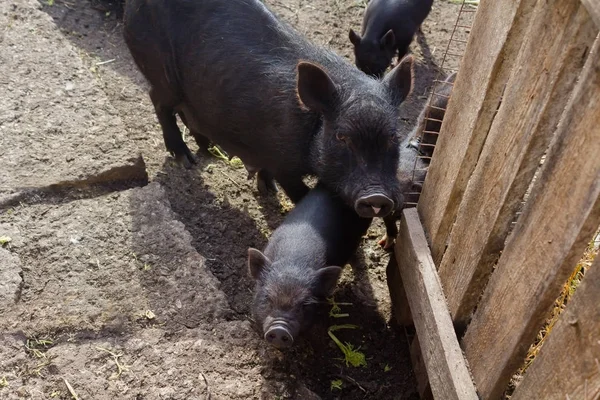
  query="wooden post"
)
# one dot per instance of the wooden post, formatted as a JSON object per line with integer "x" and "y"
{"x": 493, "y": 46}
{"x": 551, "y": 58}
{"x": 593, "y": 7}
{"x": 559, "y": 219}
{"x": 568, "y": 366}
{"x": 446, "y": 367}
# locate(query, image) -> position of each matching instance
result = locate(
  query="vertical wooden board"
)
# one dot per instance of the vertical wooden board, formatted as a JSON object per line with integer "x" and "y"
{"x": 494, "y": 42}
{"x": 568, "y": 365}
{"x": 446, "y": 367}
{"x": 550, "y": 61}
{"x": 593, "y": 7}
{"x": 559, "y": 219}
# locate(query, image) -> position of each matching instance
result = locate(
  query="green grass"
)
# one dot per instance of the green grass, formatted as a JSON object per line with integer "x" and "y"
{"x": 336, "y": 311}
{"x": 5, "y": 240}
{"x": 336, "y": 384}
{"x": 221, "y": 155}
{"x": 352, "y": 355}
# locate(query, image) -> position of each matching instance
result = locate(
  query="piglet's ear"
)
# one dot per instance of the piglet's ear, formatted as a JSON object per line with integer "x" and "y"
{"x": 400, "y": 80}
{"x": 326, "y": 279}
{"x": 354, "y": 38}
{"x": 316, "y": 90}
{"x": 388, "y": 41}
{"x": 257, "y": 262}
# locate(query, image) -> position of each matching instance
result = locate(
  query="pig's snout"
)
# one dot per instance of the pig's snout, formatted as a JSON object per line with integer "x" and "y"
{"x": 279, "y": 336}
{"x": 374, "y": 205}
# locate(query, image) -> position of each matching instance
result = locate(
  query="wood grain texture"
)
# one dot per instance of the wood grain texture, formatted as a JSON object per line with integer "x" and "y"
{"x": 400, "y": 308}
{"x": 493, "y": 45}
{"x": 593, "y": 7}
{"x": 420, "y": 370}
{"x": 568, "y": 365}
{"x": 551, "y": 58}
{"x": 446, "y": 367}
{"x": 559, "y": 219}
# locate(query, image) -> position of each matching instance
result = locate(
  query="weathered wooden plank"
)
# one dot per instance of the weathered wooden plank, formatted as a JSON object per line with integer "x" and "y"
{"x": 493, "y": 45}
{"x": 574, "y": 346}
{"x": 556, "y": 46}
{"x": 446, "y": 366}
{"x": 593, "y": 7}
{"x": 400, "y": 307}
{"x": 420, "y": 370}
{"x": 559, "y": 219}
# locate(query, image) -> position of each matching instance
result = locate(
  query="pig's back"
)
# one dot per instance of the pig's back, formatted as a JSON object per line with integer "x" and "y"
{"x": 321, "y": 229}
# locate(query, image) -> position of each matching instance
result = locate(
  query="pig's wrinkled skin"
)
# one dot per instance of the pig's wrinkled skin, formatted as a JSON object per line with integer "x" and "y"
{"x": 301, "y": 264}
{"x": 240, "y": 78}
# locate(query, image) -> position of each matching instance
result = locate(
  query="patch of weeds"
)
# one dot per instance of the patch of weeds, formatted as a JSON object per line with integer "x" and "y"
{"x": 3, "y": 382}
{"x": 35, "y": 346}
{"x": 50, "y": 2}
{"x": 336, "y": 384}
{"x": 115, "y": 357}
{"x": 286, "y": 206}
{"x": 209, "y": 168}
{"x": 352, "y": 355}
{"x": 220, "y": 154}
{"x": 387, "y": 368}
{"x": 336, "y": 311}
{"x": 55, "y": 393}
{"x": 5, "y": 241}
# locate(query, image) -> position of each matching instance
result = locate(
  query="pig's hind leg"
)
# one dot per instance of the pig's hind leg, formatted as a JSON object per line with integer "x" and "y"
{"x": 202, "y": 141}
{"x": 265, "y": 182}
{"x": 164, "y": 106}
{"x": 293, "y": 186}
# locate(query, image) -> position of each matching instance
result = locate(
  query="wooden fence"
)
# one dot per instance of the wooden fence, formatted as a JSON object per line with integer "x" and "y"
{"x": 495, "y": 235}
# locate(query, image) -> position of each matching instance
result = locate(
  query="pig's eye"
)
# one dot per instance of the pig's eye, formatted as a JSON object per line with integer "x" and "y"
{"x": 342, "y": 138}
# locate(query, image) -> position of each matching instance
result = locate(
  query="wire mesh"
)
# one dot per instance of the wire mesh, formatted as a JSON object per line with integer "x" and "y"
{"x": 449, "y": 64}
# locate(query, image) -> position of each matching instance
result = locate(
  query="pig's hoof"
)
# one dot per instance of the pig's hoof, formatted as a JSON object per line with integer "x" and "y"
{"x": 187, "y": 160}
{"x": 386, "y": 243}
{"x": 266, "y": 186}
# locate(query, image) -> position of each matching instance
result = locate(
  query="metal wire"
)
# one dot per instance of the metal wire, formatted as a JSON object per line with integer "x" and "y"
{"x": 439, "y": 82}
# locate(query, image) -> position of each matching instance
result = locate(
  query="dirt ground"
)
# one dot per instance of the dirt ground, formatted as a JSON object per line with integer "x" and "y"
{"x": 137, "y": 288}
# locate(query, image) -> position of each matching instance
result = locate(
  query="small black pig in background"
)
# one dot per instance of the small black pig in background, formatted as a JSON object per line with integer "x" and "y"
{"x": 301, "y": 264}
{"x": 240, "y": 78}
{"x": 429, "y": 125}
{"x": 388, "y": 29}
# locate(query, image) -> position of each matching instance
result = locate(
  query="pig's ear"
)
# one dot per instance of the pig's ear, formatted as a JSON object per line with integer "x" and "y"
{"x": 400, "y": 80}
{"x": 354, "y": 38}
{"x": 388, "y": 41}
{"x": 326, "y": 279}
{"x": 257, "y": 261}
{"x": 316, "y": 90}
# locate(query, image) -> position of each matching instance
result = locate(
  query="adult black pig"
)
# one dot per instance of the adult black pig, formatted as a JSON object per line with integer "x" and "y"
{"x": 239, "y": 77}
